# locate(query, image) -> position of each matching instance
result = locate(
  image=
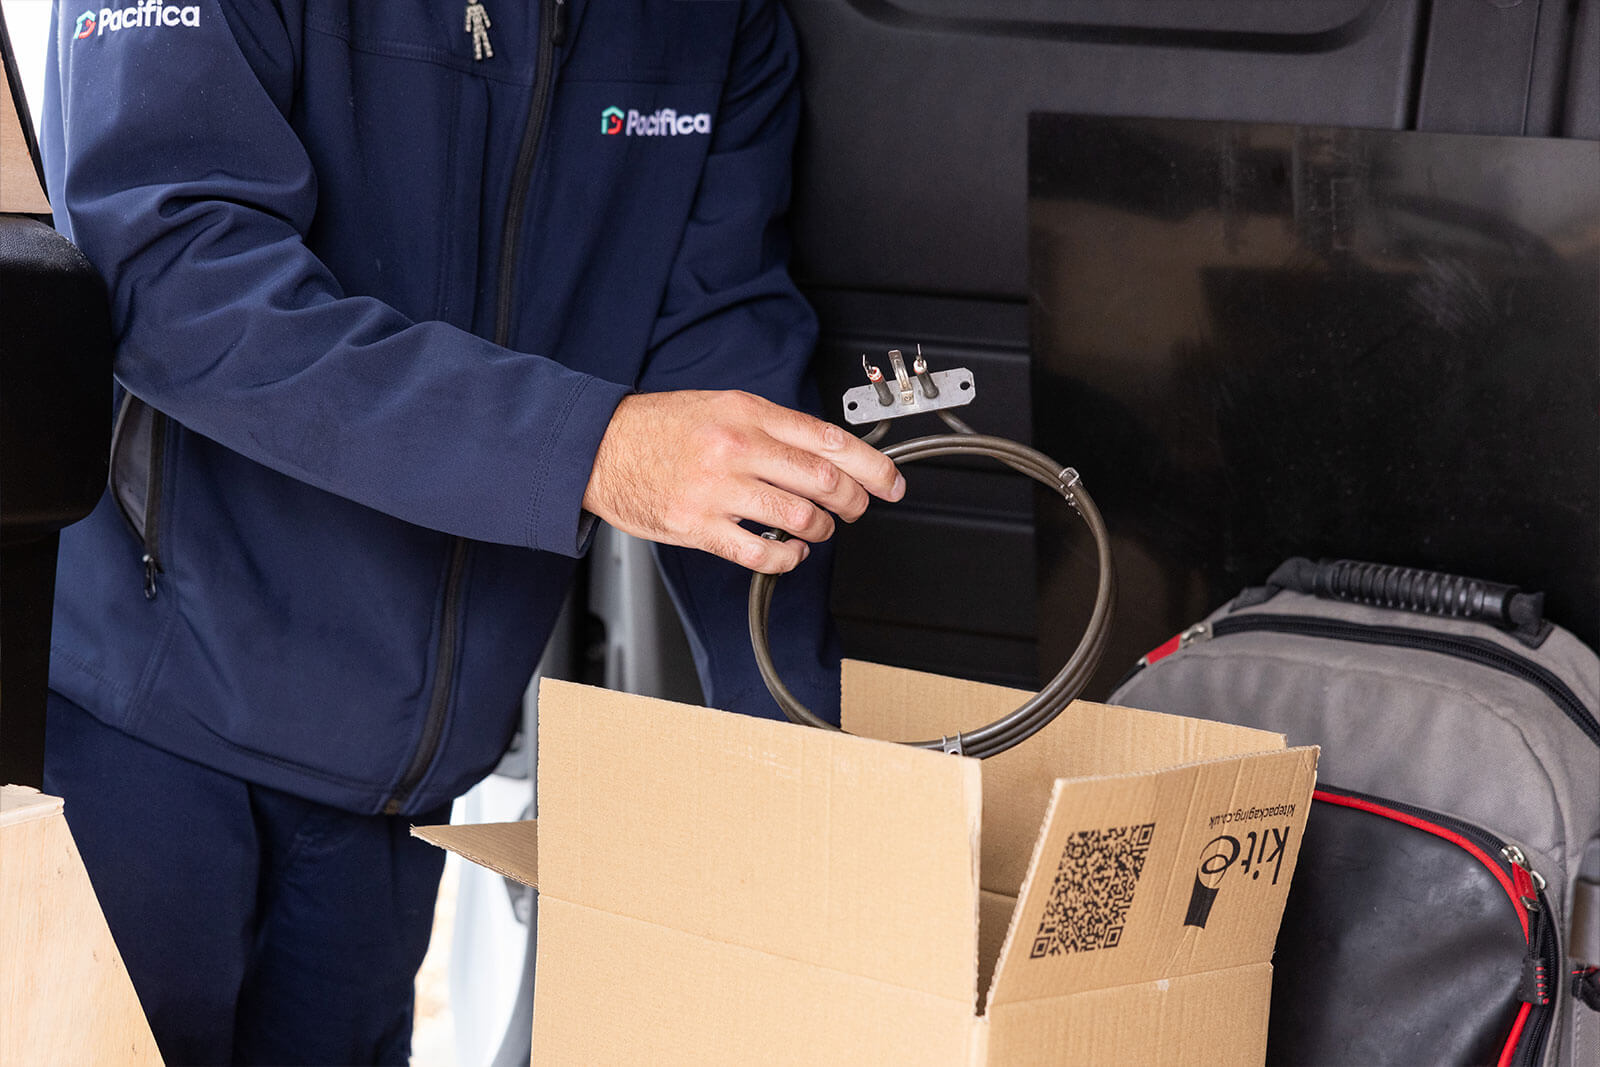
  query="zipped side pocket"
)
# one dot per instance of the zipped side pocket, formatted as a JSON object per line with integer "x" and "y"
{"x": 1378, "y": 916}
{"x": 138, "y": 460}
{"x": 1524, "y": 888}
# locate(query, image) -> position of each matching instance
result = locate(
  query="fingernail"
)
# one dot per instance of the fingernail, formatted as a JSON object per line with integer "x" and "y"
{"x": 805, "y": 552}
{"x": 899, "y": 488}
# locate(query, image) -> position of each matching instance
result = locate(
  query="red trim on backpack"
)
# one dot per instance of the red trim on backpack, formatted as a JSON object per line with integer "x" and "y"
{"x": 1163, "y": 650}
{"x": 1515, "y": 1036}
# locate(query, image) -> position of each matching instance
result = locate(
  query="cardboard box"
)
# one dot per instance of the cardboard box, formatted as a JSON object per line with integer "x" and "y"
{"x": 719, "y": 889}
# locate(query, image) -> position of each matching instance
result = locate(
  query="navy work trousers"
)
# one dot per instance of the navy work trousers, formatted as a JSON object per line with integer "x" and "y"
{"x": 257, "y": 927}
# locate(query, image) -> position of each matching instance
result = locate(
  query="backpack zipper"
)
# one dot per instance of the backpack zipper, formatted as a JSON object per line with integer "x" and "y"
{"x": 552, "y": 22}
{"x": 1525, "y": 888}
{"x": 1477, "y": 650}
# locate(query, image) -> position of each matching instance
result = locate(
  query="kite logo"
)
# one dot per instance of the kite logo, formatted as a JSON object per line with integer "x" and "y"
{"x": 611, "y": 121}
{"x": 86, "y": 24}
{"x": 1220, "y": 853}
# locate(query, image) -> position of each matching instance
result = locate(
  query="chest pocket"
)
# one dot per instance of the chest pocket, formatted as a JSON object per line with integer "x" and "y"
{"x": 394, "y": 110}
{"x": 451, "y": 33}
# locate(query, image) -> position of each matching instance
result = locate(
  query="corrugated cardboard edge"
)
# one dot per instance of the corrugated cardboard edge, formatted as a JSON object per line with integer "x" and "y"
{"x": 1210, "y": 1018}
{"x": 1006, "y": 946}
{"x": 507, "y": 848}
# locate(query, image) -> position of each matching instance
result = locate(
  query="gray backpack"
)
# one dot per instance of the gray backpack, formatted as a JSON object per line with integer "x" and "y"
{"x": 1446, "y": 906}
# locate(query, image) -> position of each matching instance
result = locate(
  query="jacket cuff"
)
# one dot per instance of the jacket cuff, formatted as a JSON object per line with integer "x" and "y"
{"x": 556, "y": 520}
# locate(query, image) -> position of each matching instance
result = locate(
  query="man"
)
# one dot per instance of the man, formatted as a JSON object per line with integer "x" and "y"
{"x": 403, "y": 302}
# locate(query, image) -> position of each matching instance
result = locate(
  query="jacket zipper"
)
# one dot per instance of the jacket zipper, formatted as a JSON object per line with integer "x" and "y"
{"x": 1508, "y": 864}
{"x": 1472, "y": 649}
{"x": 152, "y": 503}
{"x": 553, "y": 32}
{"x": 149, "y": 530}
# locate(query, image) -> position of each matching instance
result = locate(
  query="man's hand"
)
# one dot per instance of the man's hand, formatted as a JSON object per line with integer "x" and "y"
{"x": 683, "y": 468}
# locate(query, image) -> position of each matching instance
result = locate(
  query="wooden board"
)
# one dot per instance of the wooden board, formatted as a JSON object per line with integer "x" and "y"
{"x": 65, "y": 997}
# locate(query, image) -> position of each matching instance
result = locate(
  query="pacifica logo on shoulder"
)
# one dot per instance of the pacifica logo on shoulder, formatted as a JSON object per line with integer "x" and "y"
{"x": 664, "y": 123}
{"x": 146, "y": 13}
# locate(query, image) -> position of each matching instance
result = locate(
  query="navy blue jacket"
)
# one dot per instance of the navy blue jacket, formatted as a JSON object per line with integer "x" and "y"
{"x": 386, "y": 295}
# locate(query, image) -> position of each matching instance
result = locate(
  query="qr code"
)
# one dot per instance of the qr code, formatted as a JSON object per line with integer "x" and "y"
{"x": 1093, "y": 890}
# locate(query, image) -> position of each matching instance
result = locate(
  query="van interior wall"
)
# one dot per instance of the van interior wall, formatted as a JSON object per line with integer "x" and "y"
{"x": 911, "y": 225}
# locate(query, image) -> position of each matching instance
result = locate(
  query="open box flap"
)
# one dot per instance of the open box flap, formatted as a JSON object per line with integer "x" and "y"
{"x": 1085, "y": 739}
{"x": 1137, "y": 877}
{"x": 508, "y": 848}
{"x": 807, "y": 844}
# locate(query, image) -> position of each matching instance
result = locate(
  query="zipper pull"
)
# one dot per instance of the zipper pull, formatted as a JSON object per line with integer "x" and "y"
{"x": 1200, "y": 631}
{"x": 1528, "y": 882}
{"x": 151, "y": 569}
{"x": 477, "y": 24}
{"x": 558, "y": 24}
{"x": 1535, "y": 987}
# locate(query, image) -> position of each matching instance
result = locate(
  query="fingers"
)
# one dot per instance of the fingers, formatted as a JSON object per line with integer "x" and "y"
{"x": 871, "y": 469}
{"x": 794, "y": 515}
{"x": 684, "y": 468}
{"x": 764, "y": 554}
{"x": 815, "y": 478}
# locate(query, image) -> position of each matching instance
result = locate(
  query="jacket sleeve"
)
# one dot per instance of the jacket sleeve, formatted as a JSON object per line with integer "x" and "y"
{"x": 182, "y": 180}
{"x": 733, "y": 319}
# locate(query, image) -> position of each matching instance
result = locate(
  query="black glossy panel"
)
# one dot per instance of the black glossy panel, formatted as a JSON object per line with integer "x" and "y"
{"x": 1263, "y": 341}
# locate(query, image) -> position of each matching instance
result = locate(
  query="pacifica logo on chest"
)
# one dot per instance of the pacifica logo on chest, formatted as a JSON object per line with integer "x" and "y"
{"x": 615, "y": 122}
{"x": 145, "y": 14}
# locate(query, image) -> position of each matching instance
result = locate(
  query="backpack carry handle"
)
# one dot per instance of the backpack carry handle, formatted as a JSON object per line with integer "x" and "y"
{"x": 1423, "y": 592}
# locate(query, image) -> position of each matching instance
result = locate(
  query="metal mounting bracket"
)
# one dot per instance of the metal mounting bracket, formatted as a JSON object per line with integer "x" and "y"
{"x": 910, "y": 394}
